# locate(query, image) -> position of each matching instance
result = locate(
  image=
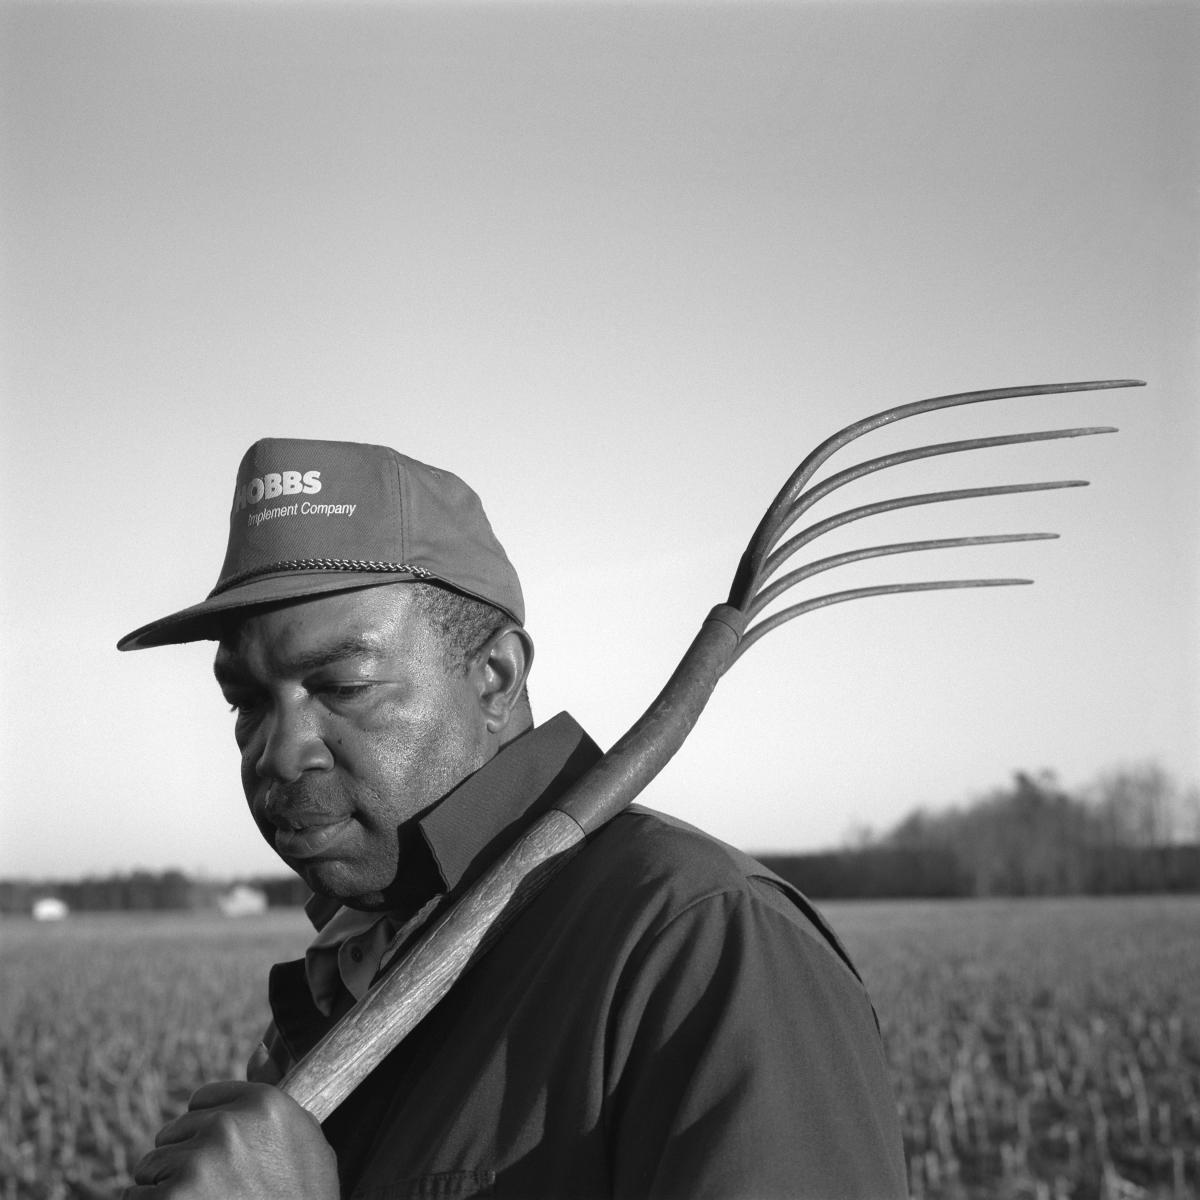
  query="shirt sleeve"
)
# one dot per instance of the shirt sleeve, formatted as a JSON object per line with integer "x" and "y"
{"x": 746, "y": 1063}
{"x": 270, "y": 1061}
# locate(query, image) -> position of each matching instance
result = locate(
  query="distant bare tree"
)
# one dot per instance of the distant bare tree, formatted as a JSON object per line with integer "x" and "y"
{"x": 1140, "y": 805}
{"x": 1034, "y": 838}
{"x": 1030, "y": 838}
{"x": 1190, "y": 807}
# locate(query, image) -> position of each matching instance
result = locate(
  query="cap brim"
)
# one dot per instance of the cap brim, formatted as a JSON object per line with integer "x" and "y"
{"x": 205, "y": 621}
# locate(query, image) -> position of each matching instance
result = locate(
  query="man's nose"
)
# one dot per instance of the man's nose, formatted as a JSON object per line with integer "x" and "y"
{"x": 292, "y": 743}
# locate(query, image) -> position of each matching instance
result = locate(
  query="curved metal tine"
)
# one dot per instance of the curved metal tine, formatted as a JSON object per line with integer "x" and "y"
{"x": 806, "y": 500}
{"x": 796, "y": 610}
{"x": 788, "y": 581}
{"x": 796, "y": 541}
{"x": 741, "y": 590}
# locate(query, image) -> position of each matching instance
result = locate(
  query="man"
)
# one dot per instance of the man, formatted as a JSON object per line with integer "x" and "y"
{"x": 667, "y": 1019}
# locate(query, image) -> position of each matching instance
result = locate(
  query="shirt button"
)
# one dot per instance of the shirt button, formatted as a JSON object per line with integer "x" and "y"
{"x": 356, "y": 954}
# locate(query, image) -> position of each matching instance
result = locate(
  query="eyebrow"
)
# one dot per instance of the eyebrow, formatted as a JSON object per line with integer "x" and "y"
{"x": 313, "y": 660}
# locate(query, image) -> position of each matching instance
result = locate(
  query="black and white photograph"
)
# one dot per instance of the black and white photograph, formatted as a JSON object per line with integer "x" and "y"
{"x": 601, "y": 599}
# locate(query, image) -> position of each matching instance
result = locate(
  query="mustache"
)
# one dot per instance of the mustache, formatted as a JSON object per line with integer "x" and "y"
{"x": 306, "y": 798}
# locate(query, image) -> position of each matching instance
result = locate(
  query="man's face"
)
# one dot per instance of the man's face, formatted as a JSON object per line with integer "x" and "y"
{"x": 350, "y": 724}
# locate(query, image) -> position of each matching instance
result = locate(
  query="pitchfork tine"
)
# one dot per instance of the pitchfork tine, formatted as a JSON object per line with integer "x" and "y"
{"x": 806, "y": 500}
{"x": 752, "y": 635}
{"x": 776, "y": 519}
{"x": 765, "y": 555}
{"x": 778, "y": 557}
{"x": 785, "y": 582}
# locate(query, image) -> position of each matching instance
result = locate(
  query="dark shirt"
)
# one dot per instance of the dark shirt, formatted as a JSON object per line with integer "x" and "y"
{"x": 667, "y": 1019}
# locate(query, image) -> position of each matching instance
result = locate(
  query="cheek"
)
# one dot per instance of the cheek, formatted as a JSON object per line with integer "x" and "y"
{"x": 252, "y": 788}
{"x": 268, "y": 833}
{"x": 416, "y": 770}
{"x": 248, "y": 755}
{"x": 250, "y": 778}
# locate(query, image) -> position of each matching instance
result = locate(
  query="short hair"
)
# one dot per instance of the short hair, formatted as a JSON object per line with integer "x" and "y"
{"x": 463, "y": 624}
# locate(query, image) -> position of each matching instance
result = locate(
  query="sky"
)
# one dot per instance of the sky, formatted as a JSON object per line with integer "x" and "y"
{"x": 620, "y": 266}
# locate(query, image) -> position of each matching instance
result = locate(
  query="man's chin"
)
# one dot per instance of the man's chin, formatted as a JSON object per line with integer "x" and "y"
{"x": 335, "y": 881}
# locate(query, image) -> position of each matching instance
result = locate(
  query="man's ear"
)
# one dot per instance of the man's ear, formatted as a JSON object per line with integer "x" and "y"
{"x": 499, "y": 672}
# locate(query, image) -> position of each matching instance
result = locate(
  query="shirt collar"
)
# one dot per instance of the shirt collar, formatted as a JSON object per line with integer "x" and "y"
{"x": 480, "y": 818}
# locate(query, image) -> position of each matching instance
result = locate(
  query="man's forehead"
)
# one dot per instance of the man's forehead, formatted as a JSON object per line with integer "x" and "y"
{"x": 321, "y": 629}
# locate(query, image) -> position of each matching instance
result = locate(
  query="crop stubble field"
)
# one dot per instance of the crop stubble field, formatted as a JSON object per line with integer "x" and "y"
{"x": 1042, "y": 1049}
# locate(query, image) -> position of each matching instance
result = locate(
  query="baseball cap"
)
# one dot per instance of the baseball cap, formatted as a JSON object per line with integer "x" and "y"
{"x": 311, "y": 517}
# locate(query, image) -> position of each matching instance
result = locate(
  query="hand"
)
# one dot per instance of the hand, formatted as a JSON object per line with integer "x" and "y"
{"x": 238, "y": 1141}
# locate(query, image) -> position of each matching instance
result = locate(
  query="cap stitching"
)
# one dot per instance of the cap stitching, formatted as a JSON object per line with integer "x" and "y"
{"x": 321, "y": 564}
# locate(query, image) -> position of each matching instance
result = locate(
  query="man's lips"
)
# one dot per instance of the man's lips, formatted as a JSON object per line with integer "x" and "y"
{"x": 309, "y": 835}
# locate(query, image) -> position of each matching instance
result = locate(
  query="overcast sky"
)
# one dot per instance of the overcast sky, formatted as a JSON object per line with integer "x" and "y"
{"x": 619, "y": 266}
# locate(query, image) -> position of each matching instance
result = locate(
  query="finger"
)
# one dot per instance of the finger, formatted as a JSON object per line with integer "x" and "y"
{"x": 182, "y": 1129}
{"x": 223, "y": 1091}
{"x": 154, "y": 1167}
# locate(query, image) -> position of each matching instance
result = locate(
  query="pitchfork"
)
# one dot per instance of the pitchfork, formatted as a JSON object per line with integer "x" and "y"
{"x": 396, "y": 1003}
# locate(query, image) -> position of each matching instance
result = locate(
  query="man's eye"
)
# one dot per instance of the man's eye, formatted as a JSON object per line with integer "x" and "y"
{"x": 242, "y": 705}
{"x": 344, "y": 692}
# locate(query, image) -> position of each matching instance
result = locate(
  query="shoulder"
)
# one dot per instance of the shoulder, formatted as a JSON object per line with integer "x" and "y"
{"x": 655, "y": 871}
{"x": 648, "y": 850}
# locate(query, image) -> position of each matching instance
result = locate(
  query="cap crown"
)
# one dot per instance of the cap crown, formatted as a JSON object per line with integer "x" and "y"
{"x": 302, "y": 504}
{"x": 312, "y": 516}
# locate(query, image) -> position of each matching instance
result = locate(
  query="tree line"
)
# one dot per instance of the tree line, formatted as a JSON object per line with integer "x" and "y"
{"x": 1133, "y": 830}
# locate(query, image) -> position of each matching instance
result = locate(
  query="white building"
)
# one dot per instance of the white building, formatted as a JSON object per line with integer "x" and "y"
{"x": 242, "y": 901}
{"x": 49, "y": 908}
